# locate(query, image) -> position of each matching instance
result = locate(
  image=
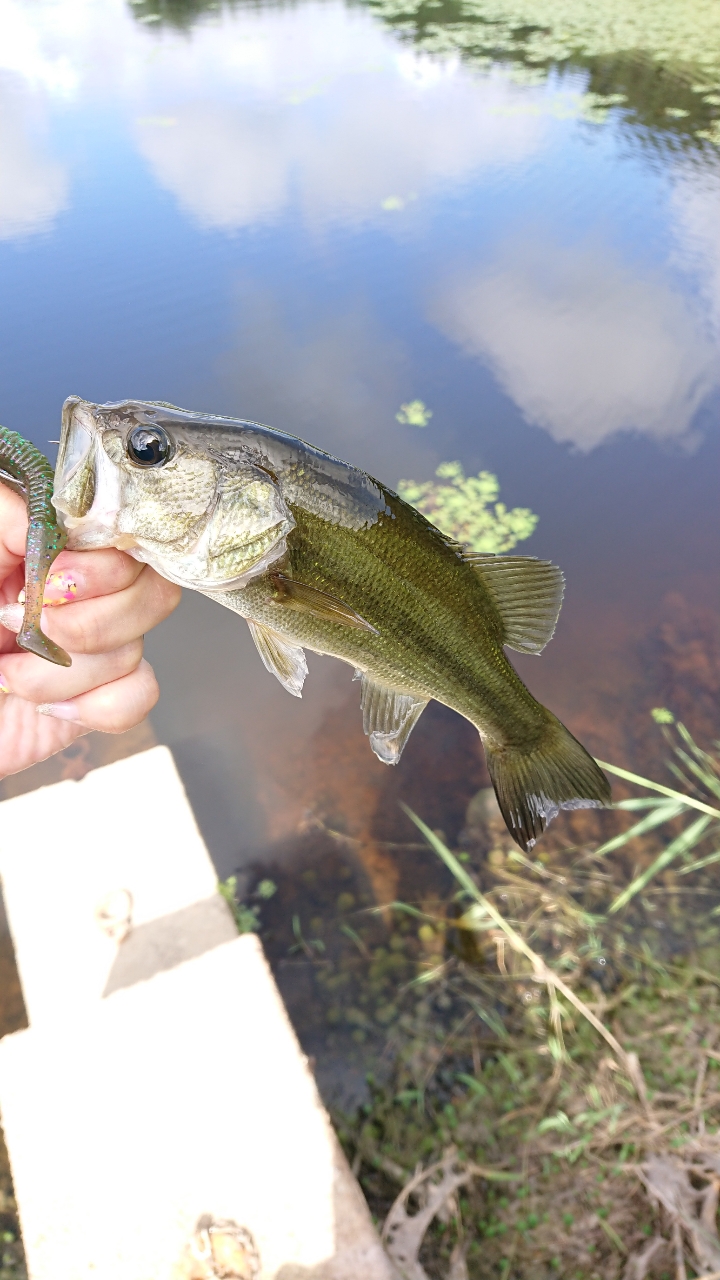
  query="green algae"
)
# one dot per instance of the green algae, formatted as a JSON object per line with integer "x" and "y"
{"x": 466, "y": 508}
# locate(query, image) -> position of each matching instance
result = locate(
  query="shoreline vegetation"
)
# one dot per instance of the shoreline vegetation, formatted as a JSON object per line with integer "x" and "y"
{"x": 609, "y": 1166}
{"x": 538, "y": 1036}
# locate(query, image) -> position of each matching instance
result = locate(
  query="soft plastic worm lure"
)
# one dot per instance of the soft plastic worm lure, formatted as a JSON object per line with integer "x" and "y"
{"x": 29, "y": 473}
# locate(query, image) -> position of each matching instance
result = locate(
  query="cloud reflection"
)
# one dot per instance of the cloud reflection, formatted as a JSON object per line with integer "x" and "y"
{"x": 584, "y": 344}
{"x": 352, "y": 155}
{"x": 33, "y": 187}
{"x": 695, "y": 206}
{"x": 260, "y": 110}
{"x": 332, "y": 377}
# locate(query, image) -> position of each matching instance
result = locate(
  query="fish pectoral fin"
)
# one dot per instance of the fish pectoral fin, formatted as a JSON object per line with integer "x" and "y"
{"x": 297, "y": 595}
{"x": 284, "y": 660}
{"x": 389, "y": 717}
{"x": 528, "y": 594}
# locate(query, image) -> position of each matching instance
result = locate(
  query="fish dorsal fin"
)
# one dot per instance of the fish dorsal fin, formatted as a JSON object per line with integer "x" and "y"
{"x": 284, "y": 660}
{"x": 297, "y": 595}
{"x": 388, "y": 717}
{"x": 528, "y": 594}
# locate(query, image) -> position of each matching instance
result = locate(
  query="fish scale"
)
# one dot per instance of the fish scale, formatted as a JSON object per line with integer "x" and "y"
{"x": 440, "y": 638}
{"x": 315, "y": 554}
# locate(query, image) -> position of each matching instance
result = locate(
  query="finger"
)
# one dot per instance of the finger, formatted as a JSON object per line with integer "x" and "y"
{"x": 35, "y": 680}
{"x": 113, "y": 708}
{"x": 28, "y": 738}
{"x": 106, "y": 622}
{"x": 76, "y": 574}
{"x": 83, "y": 575}
{"x": 13, "y": 530}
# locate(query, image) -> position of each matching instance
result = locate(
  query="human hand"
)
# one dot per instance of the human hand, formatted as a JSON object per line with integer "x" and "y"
{"x": 105, "y": 602}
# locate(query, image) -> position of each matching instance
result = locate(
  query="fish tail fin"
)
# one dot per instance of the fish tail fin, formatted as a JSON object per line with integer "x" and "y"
{"x": 532, "y": 786}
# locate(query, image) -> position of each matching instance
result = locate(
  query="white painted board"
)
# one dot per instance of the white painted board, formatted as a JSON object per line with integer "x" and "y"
{"x": 180, "y": 1096}
{"x": 127, "y": 826}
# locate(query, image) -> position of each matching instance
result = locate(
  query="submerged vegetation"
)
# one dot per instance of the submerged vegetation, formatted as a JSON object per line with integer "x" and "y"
{"x": 466, "y": 508}
{"x": 539, "y": 1045}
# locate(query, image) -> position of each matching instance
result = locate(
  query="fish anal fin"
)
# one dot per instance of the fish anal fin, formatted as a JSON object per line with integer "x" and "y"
{"x": 532, "y": 786}
{"x": 282, "y": 659}
{"x": 389, "y": 717}
{"x": 528, "y": 594}
{"x": 322, "y": 605}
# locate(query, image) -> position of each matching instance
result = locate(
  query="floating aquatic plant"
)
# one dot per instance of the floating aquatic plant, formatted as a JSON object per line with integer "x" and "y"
{"x": 466, "y": 508}
{"x": 657, "y": 61}
{"x": 415, "y": 413}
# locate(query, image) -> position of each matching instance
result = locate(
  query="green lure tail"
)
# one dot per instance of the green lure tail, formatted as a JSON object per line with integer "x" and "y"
{"x": 29, "y": 473}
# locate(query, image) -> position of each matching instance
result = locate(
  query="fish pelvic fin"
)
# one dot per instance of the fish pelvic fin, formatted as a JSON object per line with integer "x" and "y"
{"x": 528, "y": 594}
{"x": 533, "y": 786}
{"x": 389, "y": 717}
{"x": 284, "y": 660}
{"x": 297, "y": 595}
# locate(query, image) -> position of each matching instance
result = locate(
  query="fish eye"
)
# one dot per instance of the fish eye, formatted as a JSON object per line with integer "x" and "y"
{"x": 148, "y": 446}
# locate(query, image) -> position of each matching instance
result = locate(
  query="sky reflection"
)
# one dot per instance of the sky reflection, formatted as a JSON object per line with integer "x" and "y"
{"x": 288, "y": 214}
{"x": 315, "y": 114}
{"x": 33, "y": 185}
{"x": 585, "y": 343}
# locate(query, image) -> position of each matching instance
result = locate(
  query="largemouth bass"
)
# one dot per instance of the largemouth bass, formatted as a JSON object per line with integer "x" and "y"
{"x": 315, "y": 554}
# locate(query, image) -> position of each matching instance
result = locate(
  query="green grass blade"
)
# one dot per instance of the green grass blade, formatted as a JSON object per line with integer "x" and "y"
{"x": 542, "y": 971}
{"x": 690, "y": 801}
{"x": 664, "y": 812}
{"x": 681, "y": 844}
{"x": 490, "y": 1019}
{"x": 702, "y": 862}
{"x": 647, "y": 802}
{"x": 404, "y": 907}
{"x": 711, "y": 762}
{"x": 707, "y": 778}
{"x": 450, "y": 860}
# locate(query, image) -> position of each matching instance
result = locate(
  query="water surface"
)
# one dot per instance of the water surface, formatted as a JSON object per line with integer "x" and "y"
{"x": 298, "y": 214}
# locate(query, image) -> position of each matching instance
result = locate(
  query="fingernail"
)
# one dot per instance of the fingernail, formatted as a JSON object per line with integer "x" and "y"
{"x": 11, "y": 617}
{"x": 59, "y": 711}
{"x": 4, "y": 686}
{"x": 60, "y": 588}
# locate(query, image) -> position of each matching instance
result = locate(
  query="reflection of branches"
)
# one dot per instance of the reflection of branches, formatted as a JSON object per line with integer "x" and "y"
{"x": 664, "y": 80}
{"x": 180, "y": 14}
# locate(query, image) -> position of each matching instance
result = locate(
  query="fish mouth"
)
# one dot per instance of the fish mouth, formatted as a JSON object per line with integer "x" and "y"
{"x": 87, "y": 490}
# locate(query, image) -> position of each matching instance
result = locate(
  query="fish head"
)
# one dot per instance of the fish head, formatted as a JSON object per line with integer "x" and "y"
{"x": 173, "y": 490}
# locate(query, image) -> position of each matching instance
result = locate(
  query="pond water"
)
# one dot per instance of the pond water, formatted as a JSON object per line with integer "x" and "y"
{"x": 313, "y": 214}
